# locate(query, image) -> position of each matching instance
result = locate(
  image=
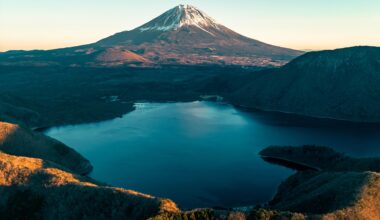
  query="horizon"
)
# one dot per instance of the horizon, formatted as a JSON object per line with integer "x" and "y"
{"x": 349, "y": 24}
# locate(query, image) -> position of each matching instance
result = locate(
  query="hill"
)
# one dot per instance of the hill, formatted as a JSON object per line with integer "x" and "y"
{"x": 340, "y": 84}
{"x": 20, "y": 141}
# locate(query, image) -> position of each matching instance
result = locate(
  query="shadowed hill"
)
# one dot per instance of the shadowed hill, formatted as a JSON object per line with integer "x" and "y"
{"x": 20, "y": 141}
{"x": 14, "y": 109}
{"x": 340, "y": 84}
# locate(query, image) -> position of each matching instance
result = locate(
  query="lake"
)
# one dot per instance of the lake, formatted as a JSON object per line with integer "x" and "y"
{"x": 204, "y": 154}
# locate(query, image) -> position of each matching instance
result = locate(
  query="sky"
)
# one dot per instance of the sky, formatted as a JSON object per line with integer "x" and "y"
{"x": 297, "y": 24}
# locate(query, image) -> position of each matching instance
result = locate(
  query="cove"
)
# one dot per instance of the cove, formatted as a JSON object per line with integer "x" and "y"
{"x": 204, "y": 154}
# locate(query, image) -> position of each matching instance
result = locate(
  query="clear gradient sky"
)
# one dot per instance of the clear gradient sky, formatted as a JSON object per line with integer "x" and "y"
{"x": 298, "y": 24}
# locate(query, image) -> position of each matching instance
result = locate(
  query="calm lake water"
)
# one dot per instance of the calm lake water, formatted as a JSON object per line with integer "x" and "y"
{"x": 204, "y": 154}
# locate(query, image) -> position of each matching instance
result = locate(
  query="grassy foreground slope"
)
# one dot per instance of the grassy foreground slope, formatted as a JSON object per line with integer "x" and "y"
{"x": 33, "y": 188}
{"x": 21, "y": 141}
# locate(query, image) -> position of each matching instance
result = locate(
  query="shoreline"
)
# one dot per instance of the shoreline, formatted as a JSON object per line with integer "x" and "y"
{"x": 298, "y": 166}
{"x": 313, "y": 117}
{"x": 276, "y": 113}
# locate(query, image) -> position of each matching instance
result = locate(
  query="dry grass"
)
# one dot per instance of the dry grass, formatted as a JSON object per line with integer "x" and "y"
{"x": 367, "y": 205}
{"x": 39, "y": 189}
{"x": 21, "y": 141}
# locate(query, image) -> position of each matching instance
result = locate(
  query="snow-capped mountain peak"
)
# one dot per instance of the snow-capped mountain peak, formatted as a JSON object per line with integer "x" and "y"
{"x": 186, "y": 35}
{"x": 179, "y": 16}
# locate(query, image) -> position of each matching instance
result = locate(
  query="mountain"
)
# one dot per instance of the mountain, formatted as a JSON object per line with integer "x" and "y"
{"x": 185, "y": 34}
{"x": 341, "y": 84}
{"x": 181, "y": 35}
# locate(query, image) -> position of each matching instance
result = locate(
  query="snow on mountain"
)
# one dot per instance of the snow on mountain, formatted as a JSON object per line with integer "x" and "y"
{"x": 182, "y": 15}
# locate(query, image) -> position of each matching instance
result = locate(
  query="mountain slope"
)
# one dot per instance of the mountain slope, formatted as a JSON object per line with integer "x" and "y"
{"x": 341, "y": 84}
{"x": 182, "y": 35}
{"x": 20, "y": 141}
{"x": 87, "y": 55}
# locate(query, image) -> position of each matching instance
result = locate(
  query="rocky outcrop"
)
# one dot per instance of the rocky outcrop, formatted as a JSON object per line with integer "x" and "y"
{"x": 33, "y": 188}
{"x": 21, "y": 141}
